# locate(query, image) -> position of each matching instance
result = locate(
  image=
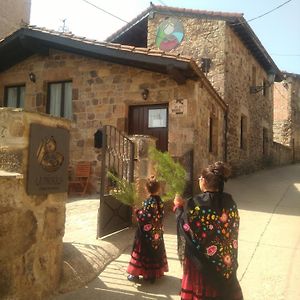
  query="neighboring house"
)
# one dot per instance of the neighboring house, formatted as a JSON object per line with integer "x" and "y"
{"x": 287, "y": 113}
{"x": 137, "y": 90}
{"x": 13, "y": 15}
{"x": 233, "y": 59}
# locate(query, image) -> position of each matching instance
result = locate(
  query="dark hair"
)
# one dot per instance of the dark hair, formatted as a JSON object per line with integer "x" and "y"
{"x": 152, "y": 185}
{"x": 215, "y": 175}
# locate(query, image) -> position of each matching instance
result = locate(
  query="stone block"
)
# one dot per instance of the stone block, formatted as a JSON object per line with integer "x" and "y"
{"x": 18, "y": 231}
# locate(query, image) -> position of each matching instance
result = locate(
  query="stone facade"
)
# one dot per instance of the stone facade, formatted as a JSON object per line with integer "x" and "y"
{"x": 13, "y": 13}
{"x": 231, "y": 74}
{"x": 287, "y": 113}
{"x": 102, "y": 95}
{"x": 31, "y": 227}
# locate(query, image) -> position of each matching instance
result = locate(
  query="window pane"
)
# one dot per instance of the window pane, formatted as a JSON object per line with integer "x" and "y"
{"x": 22, "y": 96}
{"x": 157, "y": 118}
{"x": 55, "y": 99}
{"x": 12, "y": 96}
{"x": 68, "y": 100}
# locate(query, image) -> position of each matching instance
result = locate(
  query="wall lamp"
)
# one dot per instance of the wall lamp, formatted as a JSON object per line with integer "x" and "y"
{"x": 145, "y": 94}
{"x": 32, "y": 77}
{"x": 257, "y": 88}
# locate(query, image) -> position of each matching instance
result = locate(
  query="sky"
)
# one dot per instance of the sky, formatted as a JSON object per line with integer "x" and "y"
{"x": 278, "y": 31}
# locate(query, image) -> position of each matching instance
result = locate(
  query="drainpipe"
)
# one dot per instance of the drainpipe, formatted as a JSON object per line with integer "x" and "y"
{"x": 225, "y": 133}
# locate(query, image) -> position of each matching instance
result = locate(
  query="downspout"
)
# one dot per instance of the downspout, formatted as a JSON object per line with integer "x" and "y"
{"x": 225, "y": 132}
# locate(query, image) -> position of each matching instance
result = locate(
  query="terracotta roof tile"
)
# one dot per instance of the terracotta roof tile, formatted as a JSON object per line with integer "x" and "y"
{"x": 198, "y": 12}
{"x": 137, "y": 50}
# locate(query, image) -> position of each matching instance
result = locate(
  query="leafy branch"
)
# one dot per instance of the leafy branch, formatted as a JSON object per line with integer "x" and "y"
{"x": 168, "y": 171}
{"x": 124, "y": 191}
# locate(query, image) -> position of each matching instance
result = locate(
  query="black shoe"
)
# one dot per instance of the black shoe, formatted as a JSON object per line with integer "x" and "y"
{"x": 133, "y": 278}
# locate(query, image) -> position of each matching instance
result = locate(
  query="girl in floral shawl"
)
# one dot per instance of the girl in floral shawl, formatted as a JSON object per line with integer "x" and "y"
{"x": 148, "y": 257}
{"x": 208, "y": 226}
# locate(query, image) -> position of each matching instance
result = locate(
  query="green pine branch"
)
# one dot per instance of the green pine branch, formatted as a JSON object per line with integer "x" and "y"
{"x": 124, "y": 191}
{"x": 168, "y": 171}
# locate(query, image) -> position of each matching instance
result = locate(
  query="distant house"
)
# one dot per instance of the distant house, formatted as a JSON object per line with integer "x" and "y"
{"x": 136, "y": 90}
{"x": 233, "y": 59}
{"x": 287, "y": 113}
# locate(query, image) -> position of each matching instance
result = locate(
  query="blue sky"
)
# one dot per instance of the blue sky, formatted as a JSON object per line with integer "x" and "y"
{"x": 278, "y": 31}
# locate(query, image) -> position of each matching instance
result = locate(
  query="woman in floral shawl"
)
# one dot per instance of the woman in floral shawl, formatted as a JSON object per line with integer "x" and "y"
{"x": 148, "y": 257}
{"x": 208, "y": 226}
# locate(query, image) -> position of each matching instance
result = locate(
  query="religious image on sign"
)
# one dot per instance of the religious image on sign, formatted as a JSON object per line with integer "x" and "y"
{"x": 169, "y": 34}
{"x": 48, "y": 160}
{"x": 47, "y": 155}
{"x": 178, "y": 107}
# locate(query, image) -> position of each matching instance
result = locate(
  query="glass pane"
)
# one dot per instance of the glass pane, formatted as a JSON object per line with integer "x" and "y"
{"x": 55, "y": 99}
{"x": 157, "y": 117}
{"x": 12, "y": 94}
{"x": 68, "y": 100}
{"x": 22, "y": 96}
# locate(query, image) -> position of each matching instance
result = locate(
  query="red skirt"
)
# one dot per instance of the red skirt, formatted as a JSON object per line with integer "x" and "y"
{"x": 195, "y": 286}
{"x": 143, "y": 265}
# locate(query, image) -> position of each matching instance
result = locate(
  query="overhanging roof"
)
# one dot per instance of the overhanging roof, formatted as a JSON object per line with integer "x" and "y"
{"x": 31, "y": 40}
{"x": 235, "y": 20}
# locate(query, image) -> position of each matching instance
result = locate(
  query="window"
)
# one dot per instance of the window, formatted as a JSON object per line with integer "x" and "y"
{"x": 59, "y": 102}
{"x": 265, "y": 141}
{"x": 243, "y": 132}
{"x": 210, "y": 138}
{"x": 253, "y": 78}
{"x": 213, "y": 135}
{"x": 157, "y": 118}
{"x": 14, "y": 96}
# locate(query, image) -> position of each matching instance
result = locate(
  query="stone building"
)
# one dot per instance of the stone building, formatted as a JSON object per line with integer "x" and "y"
{"x": 95, "y": 84}
{"x": 13, "y": 13}
{"x": 233, "y": 59}
{"x": 287, "y": 113}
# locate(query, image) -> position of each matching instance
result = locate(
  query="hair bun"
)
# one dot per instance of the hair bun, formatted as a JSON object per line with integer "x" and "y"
{"x": 152, "y": 178}
{"x": 221, "y": 169}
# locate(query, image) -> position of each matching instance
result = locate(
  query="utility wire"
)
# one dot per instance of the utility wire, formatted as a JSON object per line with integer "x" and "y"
{"x": 268, "y": 12}
{"x": 264, "y": 14}
{"x": 105, "y": 11}
{"x": 210, "y": 32}
{"x": 279, "y": 92}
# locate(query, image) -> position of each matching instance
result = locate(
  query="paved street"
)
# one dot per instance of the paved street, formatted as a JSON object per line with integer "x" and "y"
{"x": 269, "y": 243}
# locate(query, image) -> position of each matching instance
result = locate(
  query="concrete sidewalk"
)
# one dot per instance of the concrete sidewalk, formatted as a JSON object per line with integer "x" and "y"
{"x": 269, "y": 245}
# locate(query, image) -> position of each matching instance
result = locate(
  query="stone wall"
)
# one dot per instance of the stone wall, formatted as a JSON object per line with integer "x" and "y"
{"x": 257, "y": 108}
{"x": 102, "y": 94}
{"x": 282, "y": 113}
{"x": 203, "y": 38}
{"x": 12, "y": 14}
{"x": 296, "y": 116}
{"x": 231, "y": 76}
{"x": 31, "y": 227}
{"x": 280, "y": 155}
{"x": 287, "y": 113}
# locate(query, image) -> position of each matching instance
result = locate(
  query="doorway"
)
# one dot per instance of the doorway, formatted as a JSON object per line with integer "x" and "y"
{"x": 150, "y": 120}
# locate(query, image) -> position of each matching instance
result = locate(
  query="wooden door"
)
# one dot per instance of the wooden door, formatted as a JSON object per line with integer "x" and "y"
{"x": 150, "y": 120}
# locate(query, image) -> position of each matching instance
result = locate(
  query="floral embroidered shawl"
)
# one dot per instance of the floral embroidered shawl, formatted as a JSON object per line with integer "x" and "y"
{"x": 150, "y": 218}
{"x": 208, "y": 227}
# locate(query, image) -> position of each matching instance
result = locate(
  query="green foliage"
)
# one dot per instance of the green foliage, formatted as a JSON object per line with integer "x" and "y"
{"x": 124, "y": 191}
{"x": 168, "y": 171}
